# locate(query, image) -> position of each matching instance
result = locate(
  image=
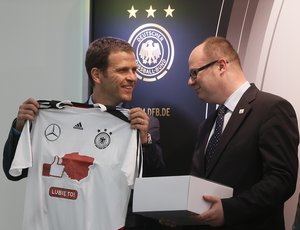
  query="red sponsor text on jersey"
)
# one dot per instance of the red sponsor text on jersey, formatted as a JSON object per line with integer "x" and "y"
{"x": 63, "y": 193}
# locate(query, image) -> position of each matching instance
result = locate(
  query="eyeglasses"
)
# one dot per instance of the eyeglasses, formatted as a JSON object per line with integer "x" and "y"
{"x": 194, "y": 72}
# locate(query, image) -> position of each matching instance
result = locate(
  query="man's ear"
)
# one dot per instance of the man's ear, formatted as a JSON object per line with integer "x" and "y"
{"x": 222, "y": 64}
{"x": 96, "y": 75}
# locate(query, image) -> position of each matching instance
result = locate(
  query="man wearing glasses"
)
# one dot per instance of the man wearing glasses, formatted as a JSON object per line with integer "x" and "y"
{"x": 255, "y": 149}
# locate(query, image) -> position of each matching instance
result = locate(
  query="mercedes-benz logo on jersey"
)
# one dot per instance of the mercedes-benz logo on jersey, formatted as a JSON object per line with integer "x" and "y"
{"x": 102, "y": 140}
{"x": 154, "y": 50}
{"x": 52, "y": 132}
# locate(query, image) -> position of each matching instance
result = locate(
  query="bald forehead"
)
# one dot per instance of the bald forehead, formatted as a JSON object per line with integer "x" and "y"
{"x": 197, "y": 52}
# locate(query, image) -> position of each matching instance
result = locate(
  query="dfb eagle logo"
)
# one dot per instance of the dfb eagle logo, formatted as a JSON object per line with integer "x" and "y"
{"x": 154, "y": 50}
{"x": 150, "y": 52}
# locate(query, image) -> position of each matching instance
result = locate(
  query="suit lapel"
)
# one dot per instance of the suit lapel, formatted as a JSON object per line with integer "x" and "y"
{"x": 237, "y": 118}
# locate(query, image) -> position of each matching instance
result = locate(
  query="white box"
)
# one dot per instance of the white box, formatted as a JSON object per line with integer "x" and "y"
{"x": 175, "y": 197}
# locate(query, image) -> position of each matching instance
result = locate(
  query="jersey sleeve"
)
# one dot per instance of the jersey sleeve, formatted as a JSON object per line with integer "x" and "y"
{"x": 132, "y": 162}
{"x": 23, "y": 155}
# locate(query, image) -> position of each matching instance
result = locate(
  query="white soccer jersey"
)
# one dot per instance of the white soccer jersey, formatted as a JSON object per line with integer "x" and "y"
{"x": 82, "y": 164}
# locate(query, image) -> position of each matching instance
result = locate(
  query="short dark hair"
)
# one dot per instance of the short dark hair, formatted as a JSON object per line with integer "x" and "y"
{"x": 99, "y": 50}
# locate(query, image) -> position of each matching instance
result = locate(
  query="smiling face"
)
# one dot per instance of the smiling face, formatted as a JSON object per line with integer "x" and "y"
{"x": 216, "y": 70}
{"x": 206, "y": 84}
{"x": 116, "y": 83}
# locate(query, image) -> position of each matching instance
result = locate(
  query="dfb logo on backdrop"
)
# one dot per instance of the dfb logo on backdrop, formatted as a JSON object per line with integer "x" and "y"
{"x": 155, "y": 29}
{"x": 154, "y": 49}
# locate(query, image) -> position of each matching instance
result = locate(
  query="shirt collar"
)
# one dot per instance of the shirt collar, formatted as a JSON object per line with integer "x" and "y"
{"x": 234, "y": 98}
{"x": 90, "y": 101}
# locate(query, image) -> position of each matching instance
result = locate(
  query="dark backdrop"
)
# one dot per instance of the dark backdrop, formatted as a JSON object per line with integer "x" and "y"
{"x": 163, "y": 69}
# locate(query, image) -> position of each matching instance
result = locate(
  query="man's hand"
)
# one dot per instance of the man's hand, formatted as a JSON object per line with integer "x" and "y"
{"x": 27, "y": 111}
{"x": 139, "y": 120}
{"x": 214, "y": 216}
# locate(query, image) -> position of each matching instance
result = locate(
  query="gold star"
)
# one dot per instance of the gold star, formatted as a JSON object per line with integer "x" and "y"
{"x": 169, "y": 11}
{"x": 150, "y": 12}
{"x": 132, "y": 12}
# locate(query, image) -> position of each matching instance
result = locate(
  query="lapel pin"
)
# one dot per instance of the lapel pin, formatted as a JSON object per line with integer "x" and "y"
{"x": 241, "y": 111}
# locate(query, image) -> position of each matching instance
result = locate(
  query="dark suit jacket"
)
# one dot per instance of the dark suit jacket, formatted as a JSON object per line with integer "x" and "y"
{"x": 153, "y": 165}
{"x": 257, "y": 156}
{"x": 152, "y": 154}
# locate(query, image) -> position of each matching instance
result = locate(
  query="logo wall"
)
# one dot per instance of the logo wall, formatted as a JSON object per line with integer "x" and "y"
{"x": 154, "y": 51}
{"x": 155, "y": 29}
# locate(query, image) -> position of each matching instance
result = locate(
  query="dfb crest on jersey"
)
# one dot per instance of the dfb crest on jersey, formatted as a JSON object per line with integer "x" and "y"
{"x": 154, "y": 50}
{"x": 102, "y": 140}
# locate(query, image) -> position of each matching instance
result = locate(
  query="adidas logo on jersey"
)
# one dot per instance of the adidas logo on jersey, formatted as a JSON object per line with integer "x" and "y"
{"x": 78, "y": 126}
